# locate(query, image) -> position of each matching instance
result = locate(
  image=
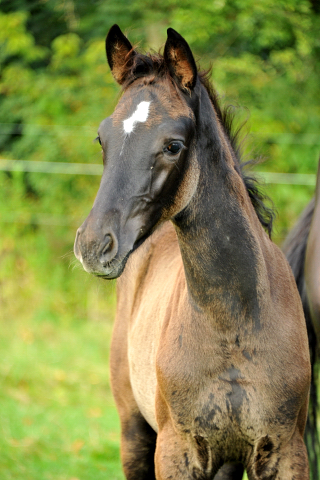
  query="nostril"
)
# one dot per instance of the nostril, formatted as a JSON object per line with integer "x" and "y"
{"x": 108, "y": 244}
{"x": 107, "y": 251}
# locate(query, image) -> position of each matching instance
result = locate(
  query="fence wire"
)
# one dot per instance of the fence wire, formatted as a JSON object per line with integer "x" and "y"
{"x": 96, "y": 169}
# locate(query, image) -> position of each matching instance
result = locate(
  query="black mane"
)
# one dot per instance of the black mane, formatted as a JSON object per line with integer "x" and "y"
{"x": 152, "y": 66}
{"x": 227, "y": 116}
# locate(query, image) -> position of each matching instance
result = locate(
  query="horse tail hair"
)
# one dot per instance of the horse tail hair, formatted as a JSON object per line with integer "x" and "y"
{"x": 295, "y": 250}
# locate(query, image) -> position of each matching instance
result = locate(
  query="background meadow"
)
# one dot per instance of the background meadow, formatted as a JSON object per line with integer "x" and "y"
{"x": 57, "y": 417}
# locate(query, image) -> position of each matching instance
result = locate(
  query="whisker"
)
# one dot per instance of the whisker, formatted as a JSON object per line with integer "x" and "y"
{"x": 67, "y": 254}
{"x": 75, "y": 265}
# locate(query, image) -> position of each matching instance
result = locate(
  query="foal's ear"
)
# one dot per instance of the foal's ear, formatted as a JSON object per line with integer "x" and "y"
{"x": 180, "y": 61}
{"x": 119, "y": 51}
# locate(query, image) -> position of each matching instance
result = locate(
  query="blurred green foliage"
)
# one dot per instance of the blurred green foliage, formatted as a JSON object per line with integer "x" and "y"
{"x": 56, "y": 87}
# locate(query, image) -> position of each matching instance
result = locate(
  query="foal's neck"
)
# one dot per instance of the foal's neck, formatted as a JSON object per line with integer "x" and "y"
{"x": 219, "y": 231}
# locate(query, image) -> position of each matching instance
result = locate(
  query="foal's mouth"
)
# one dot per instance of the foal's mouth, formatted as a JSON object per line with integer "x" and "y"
{"x": 114, "y": 268}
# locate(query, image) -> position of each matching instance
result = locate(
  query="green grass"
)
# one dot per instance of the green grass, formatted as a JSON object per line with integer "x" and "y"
{"x": 57, "y": 417}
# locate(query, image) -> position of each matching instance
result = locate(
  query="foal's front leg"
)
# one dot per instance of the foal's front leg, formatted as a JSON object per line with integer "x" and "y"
{"x": 179, "y": 459}
{"x": 180, "y": 456}
{"x": 138, "y": 441}
{"x": 288, "y": 461}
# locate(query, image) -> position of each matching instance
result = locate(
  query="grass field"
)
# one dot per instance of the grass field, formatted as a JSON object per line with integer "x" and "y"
{"x": 58, "y": 420}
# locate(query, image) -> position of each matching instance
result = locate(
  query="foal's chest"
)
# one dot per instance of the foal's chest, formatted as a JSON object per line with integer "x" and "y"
{"x": 227, "y": 386}
{"x": 227, "y": 394}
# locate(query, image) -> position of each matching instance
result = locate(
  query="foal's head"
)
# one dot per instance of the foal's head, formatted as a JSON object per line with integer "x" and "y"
{"x": 150, "y": 170}
{"x": 152, "y": 147}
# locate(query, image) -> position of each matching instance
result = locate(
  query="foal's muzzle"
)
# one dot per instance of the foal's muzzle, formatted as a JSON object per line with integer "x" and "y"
{"x": 97, "y": 250}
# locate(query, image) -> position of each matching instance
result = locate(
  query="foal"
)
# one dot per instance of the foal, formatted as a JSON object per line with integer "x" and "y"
{"x": 209, "y": 357}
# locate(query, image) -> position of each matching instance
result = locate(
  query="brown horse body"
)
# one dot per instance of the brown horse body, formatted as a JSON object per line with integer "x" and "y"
{"x": 209, "y": 357}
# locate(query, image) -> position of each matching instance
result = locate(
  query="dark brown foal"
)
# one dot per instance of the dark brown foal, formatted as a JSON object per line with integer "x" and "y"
{"x": 209, "y": 357}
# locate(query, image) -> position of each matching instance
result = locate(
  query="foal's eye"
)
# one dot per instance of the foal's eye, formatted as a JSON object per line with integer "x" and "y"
{"x": 174, "y": 148}
{"x": 98, "y": 139}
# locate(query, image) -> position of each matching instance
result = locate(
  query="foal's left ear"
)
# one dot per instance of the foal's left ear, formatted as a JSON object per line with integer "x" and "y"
{"x": 180, "y": 61}
{"x": 119, "y": 51}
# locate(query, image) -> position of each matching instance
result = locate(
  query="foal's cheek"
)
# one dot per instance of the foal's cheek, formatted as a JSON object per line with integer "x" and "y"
{"x": 159, "y": 181}
{"x": 163, "y": 181}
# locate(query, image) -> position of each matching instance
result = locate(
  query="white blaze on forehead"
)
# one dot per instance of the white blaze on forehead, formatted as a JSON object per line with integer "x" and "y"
{"x": 140, "y": 115}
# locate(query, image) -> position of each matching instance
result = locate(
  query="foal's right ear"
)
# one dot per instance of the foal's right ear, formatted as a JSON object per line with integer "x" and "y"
{"x": 119, "y": 51}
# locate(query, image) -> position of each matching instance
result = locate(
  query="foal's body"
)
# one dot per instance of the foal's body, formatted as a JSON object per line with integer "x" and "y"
{"x": 209, "y": 355}
{"x": 203, "y": 384}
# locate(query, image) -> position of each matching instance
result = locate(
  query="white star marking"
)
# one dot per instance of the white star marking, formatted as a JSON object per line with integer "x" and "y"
{"x": 140, "y": 115}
